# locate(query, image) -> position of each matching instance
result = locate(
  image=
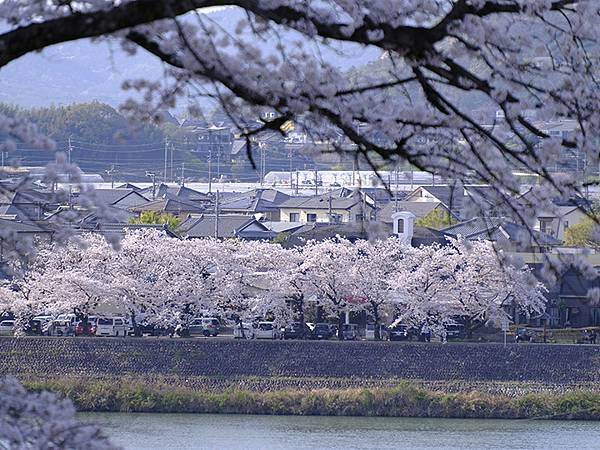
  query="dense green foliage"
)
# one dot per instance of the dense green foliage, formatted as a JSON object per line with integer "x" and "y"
{"x": 93, "y": 122}
{"x": 404, "y": 400}
{"x": 436, "y": 219}
{"x": 584, "y": 233}
{"x": 156, "y": 218}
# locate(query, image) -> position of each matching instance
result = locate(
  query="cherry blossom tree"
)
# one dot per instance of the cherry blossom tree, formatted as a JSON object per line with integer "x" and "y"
{"x": 42, "y": 420}
{"x": 167, "y": 282}
{"x": 487, "y": 285}
{"x": 372, "y": 274}
{"x": 327, "y": 264}
{"x": 423, "y": 291}
{"x": 68, "y": 278}
{"x": 287, "y": 277}
{"x": 437, "y": 285}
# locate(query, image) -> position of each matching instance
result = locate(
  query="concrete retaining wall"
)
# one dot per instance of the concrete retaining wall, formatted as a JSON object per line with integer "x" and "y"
{"x": 55, "y": 357}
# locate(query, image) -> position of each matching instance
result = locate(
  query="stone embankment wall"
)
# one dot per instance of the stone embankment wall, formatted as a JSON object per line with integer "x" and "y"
{"x": 369, "y": 362}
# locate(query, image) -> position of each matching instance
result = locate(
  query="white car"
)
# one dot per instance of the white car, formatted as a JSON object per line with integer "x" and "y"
{"x": 60, "y": 327}
{"x": 266, "y": 330}
{"x": 43, "y": 322}
{"x": 205, "y": 326}
{"x": 71, "y": 318}
{"x": 111, "y": 326}
{"x": 7, "y": 328}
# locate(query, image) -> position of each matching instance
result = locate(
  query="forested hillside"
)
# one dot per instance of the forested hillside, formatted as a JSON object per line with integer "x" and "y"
{"x": 97, "y": 137}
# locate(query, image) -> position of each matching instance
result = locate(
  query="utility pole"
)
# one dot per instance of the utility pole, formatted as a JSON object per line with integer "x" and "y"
{"x": 262, "y": 163}
{"x": 183, "y": 173}
{"x": 290, "y": 158}
{"x": 217, "y": 215}
{"x": 111, "y": 172}
{"x": 297, "y": 180}
{"x": 153, "y": 176}
{"x": 329, "y": 212}
{"x": 69, "y": 150}
{"x": 396, "y": 196}
{"x": 70, "y": 186}
{"x": 353, "y": 171}
{"x": 218, "y": 160}
{"x": 209, "y": 170}
{"x": 172, "y": 168}
{"x": 316, "y": 181}
{"x": 166, "y": 153}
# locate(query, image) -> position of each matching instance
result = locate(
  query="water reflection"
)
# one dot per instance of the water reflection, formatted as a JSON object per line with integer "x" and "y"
{"x": 207, "y": 431}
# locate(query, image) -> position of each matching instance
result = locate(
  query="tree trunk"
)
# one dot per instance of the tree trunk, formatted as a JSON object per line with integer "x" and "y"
{"x": 376, "y": 319}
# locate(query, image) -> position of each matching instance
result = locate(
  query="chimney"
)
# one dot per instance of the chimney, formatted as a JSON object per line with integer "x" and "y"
{"x": 404, "y": 222}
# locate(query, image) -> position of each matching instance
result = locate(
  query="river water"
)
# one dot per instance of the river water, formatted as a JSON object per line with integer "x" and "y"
{"x": 137, "y": 431}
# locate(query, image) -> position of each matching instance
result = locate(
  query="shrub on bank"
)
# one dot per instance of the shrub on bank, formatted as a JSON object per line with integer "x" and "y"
{"x": 403, "y": 400}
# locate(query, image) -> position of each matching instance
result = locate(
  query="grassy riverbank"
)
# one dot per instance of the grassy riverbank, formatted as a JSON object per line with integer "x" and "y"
{"x": 404, "y": 400}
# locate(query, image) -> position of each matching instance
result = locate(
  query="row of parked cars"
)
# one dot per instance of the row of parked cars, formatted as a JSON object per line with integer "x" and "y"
{"x": 349, "y": 332}
{"x": 295, "y": 330}
{"x": 71, "y": 325}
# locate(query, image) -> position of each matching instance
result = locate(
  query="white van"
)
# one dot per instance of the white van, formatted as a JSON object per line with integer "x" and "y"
{"x": 7, "y": 328}
{"x": 205, "y": 326}
{"x": 111, "y": 326}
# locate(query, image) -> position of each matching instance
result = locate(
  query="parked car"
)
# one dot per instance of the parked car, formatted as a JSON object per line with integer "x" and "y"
{"x": 72, "y": 318}
{"x": 266, "y": 330}
{"x": 370, "y": 334}
{"x": 146, "y": 329}
{"x": 524, "y": 335}
{"x": 111, "y": 326}
{"x": 296, "y": 330}
{"x": 204, "y": 326}
{"x": 243, "y": 330}
{"x": 455, "y": 331}
{"x": 399, "y": 332}
{"x": 321, "y": 331}
{"x": 350, "y": 332}
{"x": 61, "y": 327}
{"x": 38, "y": 326}
{"x": 334, "y": 329}
{"x": 132, "y": 330}
{"x": 7, "y": 327}
{"x": 87, "y": 328}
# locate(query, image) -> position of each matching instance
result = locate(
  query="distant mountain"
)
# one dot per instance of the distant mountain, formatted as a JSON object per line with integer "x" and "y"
{"x": 84, "y": 71}
{"x": 78, "y": 71}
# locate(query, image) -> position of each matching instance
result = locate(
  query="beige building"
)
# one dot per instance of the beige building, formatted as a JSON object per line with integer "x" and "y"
{"x": 557, "y": 221}
{"x": 328, "y": 208}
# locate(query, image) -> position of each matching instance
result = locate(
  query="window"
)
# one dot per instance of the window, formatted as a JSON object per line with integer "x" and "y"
{"x": 400, "y": 225}
{"x": 311, "y": 217}
{"x": 359, "y": 218}
{"x": 294, "y": 217}
{"x": 595, "y": 313}
{"x": 546, "y": 226}
{"x": 336, "y": 218}
{"x": 566, "y": 224}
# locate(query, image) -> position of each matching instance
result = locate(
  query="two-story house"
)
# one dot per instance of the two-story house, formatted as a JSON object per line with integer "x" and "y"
{"x": 328, "y": 208}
